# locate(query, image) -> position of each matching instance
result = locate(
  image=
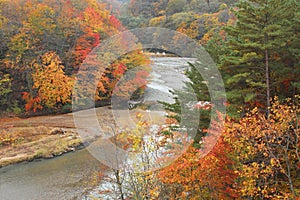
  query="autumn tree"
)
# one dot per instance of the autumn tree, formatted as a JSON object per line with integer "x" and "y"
{"x": 5, "y": 89}
{"x": 51, "y": 87}
{"x": 3, "y": 25}
{"x": 268, "y": 151}
{"x": 194, "y": 176}
{"x": 206, "y": 26}
{"x": 99, "y": 24}
{"x": 70, "y": 29}
{"x": 34, "y": 32}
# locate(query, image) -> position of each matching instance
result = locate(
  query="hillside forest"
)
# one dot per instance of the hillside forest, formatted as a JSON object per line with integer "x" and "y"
{"x": 255, "y": 45}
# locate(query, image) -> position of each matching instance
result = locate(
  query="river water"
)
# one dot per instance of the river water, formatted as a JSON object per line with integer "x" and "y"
{"x": 68, "y": 176}
{"x": 63, "y": 177}
{"x": 167, "y": 74}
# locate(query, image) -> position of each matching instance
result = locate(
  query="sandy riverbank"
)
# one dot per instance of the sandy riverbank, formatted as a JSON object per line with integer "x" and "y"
{"x": 49, "y": 136}
{"x": 31, "y": 143}
{"x": 41, "y": 137}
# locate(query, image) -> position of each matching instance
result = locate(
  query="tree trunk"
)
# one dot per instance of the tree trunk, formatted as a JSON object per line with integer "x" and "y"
{"x": 267, "y": 78}
{"x": 119, "y": 184}
{"x": 267, "y": 65}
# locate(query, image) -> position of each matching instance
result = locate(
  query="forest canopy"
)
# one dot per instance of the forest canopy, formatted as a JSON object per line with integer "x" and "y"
{"x": 43, "y": 44}
{"x": 255, "y": 45}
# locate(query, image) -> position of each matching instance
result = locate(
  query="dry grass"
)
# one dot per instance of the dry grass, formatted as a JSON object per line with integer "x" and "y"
{"x": 29, "y": 143}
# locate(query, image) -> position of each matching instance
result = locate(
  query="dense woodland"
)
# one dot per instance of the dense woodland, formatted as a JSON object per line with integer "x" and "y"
{"x": 255, "y": 44}
{"x": 43, "y": 45}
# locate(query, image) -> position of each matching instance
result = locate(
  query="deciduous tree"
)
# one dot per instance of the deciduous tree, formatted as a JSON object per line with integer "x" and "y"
{"x": 51, "y": 87}
{"x": 268, "y": 151}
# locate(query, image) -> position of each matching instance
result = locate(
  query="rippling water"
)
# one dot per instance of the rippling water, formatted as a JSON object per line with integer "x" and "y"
{"x": 167, "y": 74}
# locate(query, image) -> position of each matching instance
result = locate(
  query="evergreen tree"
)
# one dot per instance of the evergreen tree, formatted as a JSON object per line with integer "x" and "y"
{"x": 185, "y": 110}
{"x": 199, "y": 104}
{"x": 263, "y": 32}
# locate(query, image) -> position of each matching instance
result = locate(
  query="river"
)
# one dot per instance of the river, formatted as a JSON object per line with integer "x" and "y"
{"x": 59, "y": 178}
{"x": 68, "y": 176}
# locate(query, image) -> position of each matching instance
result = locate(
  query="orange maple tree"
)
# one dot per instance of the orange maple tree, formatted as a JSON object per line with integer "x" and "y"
{"x": 51, "y": 87}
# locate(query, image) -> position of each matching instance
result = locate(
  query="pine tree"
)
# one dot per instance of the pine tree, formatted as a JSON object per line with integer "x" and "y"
{"x": 263, "y": 30}
{"x": 184, "y": 109}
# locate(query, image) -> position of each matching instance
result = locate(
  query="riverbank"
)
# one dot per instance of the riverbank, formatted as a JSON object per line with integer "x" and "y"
{"x": 42, "y": 136}
{"x": 49, "y": 136}
{"x": 20, "y": 144}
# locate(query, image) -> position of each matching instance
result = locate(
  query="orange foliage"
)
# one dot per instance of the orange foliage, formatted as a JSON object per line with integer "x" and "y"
{"x": 193, "y": 177}
{"x": 51, "y": 85}
{"x": 85, "y": 45}
{"x": 33, "y": 103}
{"x": 267, "y": 148}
